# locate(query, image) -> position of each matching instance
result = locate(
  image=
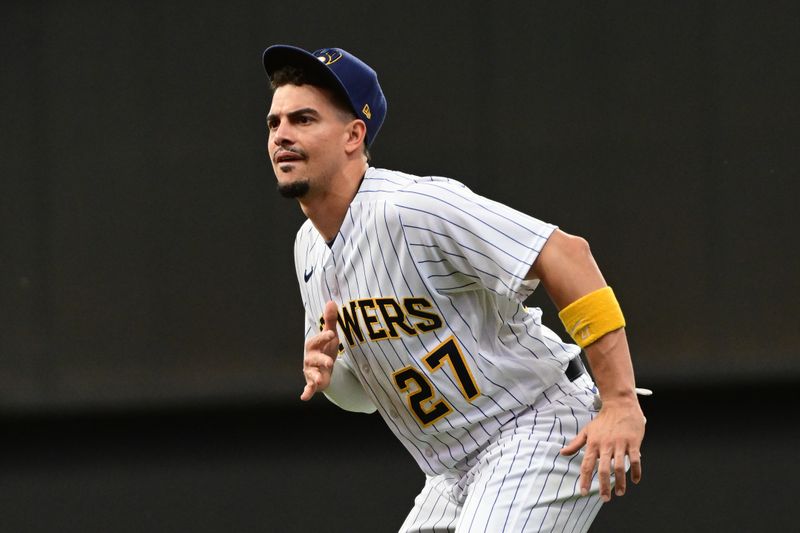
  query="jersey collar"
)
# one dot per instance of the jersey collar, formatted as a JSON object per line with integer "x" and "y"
{"x": 348, "y": 222}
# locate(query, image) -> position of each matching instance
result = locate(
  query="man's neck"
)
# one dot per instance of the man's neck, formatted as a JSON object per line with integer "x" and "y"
{"x": 328, "y": 209}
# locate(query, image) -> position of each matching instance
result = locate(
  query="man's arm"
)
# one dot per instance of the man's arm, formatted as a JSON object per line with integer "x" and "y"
{"x": 568, "y": 272}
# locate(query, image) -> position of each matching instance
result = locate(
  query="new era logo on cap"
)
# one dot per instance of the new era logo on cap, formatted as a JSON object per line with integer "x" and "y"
{"x": 357, "y": 80}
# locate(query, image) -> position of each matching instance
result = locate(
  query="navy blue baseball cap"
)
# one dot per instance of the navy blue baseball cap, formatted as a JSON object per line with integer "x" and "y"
{"x": 343, "y": 71}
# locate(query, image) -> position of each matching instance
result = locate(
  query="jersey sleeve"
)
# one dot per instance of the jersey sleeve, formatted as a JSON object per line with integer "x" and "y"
{"x": 461, "y": 241}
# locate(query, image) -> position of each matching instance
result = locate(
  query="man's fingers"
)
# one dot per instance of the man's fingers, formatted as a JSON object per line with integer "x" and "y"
{"x": 636, "y": 465}
{"x": 329, "y": 315}
{"x": 610, "y": 455}
{"x": 316, "y": 380}
{"x": 308, "y": 391}
{"x": 320, "y": 356}
{"x": 587, "y": 471}
{"x": 318, "y": 359}
{"x": 321, "y": 340}
{"x": 589, "y": 460}
{"x": 619, "y": 470}
{"x": 604, "y": 475}
{"x": 575, "y": 444}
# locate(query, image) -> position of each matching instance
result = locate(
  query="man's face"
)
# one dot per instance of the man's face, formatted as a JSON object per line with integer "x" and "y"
{"x": 307, "y": 134}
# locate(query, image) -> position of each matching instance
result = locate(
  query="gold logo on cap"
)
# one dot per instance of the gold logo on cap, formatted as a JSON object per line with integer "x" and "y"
{"x": 367, "y": 111}
{"x": 328, "y": 56}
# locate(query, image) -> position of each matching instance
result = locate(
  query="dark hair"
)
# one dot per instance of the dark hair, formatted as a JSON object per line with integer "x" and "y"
{"x": 290, "y": 75}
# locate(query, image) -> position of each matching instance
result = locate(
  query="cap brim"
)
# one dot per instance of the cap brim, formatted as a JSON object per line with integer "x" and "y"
{"x": 282, "y": 55}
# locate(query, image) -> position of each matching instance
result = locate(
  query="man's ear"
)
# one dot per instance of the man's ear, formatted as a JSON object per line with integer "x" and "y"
{"x": 356, "y": 135}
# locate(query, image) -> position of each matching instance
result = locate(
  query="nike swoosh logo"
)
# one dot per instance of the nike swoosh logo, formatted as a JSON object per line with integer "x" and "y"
{"x": 307, "y": 275}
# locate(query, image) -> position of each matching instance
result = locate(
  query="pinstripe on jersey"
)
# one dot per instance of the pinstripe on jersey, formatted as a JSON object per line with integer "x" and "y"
{"x": 411, "y": 247}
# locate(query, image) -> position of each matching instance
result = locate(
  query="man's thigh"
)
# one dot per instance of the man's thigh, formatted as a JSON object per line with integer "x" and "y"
{"x": 524, "y": 484}
{"x": 530, "y": 488}
{"x": 521, "y": 482}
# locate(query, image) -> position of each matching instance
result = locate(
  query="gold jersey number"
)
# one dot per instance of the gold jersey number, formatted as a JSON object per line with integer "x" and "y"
{"x": 420, "y": 390}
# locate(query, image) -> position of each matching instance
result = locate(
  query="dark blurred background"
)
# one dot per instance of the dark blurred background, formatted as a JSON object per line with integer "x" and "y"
{"x": 150, "y": 322}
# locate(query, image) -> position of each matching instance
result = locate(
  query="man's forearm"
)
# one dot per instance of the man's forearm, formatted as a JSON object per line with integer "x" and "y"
{"x": 568, "y": 272}
{"x": 610, "y": 360}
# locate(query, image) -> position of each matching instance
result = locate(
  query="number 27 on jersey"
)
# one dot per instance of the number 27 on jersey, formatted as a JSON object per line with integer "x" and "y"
{"x": 420, "y": 391}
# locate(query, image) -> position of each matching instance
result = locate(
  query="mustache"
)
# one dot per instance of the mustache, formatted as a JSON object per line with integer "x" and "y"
{"x": 281, "y": 150}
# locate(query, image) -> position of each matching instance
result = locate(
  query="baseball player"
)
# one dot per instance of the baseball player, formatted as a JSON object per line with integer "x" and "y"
{"x": 413, "y": 290}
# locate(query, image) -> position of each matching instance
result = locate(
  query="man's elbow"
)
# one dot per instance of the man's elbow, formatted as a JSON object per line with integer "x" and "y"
{"x": 576, "y": 249}
{"x": 561, "y": 251}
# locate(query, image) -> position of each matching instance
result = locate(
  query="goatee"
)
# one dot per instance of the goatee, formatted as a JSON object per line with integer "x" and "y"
{"x": 295, "y": 189}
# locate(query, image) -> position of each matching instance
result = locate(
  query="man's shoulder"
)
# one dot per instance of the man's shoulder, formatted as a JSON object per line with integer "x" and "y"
{"x": 393, "y": 187}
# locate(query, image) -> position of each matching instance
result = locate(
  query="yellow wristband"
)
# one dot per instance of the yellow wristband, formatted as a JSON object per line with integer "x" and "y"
{"x": 590, "y": 317}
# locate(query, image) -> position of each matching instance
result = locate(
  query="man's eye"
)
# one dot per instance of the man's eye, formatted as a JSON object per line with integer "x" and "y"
{"x": 304, "y": 119}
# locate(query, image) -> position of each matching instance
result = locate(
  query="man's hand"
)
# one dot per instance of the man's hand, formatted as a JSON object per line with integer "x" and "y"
{"x": 320, "y": 354}
{"x": 616, "y": 433}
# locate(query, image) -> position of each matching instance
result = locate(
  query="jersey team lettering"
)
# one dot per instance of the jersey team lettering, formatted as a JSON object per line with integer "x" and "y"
{"x": 383, "y": 318}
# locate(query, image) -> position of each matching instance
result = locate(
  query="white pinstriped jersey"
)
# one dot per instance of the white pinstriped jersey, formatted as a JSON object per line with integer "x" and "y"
{"x": 429, "y": 281}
